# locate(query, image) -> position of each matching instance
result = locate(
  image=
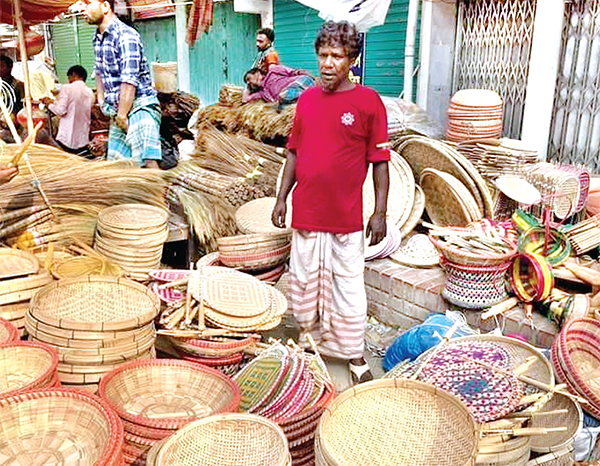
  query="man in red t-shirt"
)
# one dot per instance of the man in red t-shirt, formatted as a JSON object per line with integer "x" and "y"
{"x": 339, "y": 129}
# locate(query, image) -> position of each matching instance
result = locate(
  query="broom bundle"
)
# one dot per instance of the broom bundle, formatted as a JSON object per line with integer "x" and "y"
{"x": 221, "y": 117}
{"x": 264, "y": 123}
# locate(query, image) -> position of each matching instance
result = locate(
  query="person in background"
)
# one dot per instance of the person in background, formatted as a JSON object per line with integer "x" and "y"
{"x": 74, "y": 107}
{"x": 267, "y": 55}
{"x": 6, "y": 68}
{"x": 339, "y": 129}
{"x": 124, "y": 87}
{"x": 281, "y": 84}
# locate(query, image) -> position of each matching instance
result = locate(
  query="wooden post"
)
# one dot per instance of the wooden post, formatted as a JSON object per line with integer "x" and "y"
{"x": 24, "y": 67}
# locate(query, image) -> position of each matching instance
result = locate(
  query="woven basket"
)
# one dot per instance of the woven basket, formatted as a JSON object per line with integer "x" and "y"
{"x": 64, "y": 426}
{"x": 464, "y": 257}
{"x": 408, "y": 423}
{"x": 26, "y": 365}
{"x": 229, "y": 365}
{"x": 17, "y": 263}
{"x": 258, "y": 261}
{"x": 8, "y": 332}
{"x": 226, "y": 440}
{"x": 253, "y": 243}
{"x": 563, "y": 457}
{"x": 474, "y": 287}
{"x": 572, "y": 420}
{"x": 218, "y": 347}
{"x": 167, "y": 393}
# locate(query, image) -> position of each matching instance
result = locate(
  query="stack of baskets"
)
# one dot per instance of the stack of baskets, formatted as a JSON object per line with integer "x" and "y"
{"x": 474, "y": 114}
{"x": 222, "y": 353}
{"x": 8, "y": 332}
{"x": 236, "y": 301}
{"x": 96, "y": 323}
{"x": 224, "y": 440}
{"x": 562, "y": 457}
{"x": 408, "y": 423}
{"x": 59, "y": 426}
{"x": 475, "y": 279}
{"x": 501, "y": 450}
{"x": 291, "y": 389}
{"x": 20, "y": 279}
{"x": 132, "y": 236}
{"x": 262, "y": 255}
{"x": 27, "y": 366}
{"x": 157, "y": 397}
{"x": 575, "y": 356}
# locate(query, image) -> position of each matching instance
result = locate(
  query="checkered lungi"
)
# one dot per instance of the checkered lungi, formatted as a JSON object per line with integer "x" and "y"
{"x": 291, "y": 93}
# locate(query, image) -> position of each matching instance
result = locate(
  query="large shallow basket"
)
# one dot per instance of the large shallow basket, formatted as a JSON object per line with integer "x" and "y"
{"x": 399, "y": 422}
{"x": 26, "y": 365}
{"x": 227, "y": 440}
{"x": 168, "y": 393}
{"x": 8, "y": 332}
{"x": 64, "y": 426}
{"x": 464, "y": 257}
{"x": 572, "y": 420}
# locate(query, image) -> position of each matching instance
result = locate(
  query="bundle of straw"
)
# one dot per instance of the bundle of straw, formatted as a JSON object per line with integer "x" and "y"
{"x": 264, "y": 123}
{"x": 223, "y": 118}
{"x": 585, "y": 235}
{"x": 230, "y": 95}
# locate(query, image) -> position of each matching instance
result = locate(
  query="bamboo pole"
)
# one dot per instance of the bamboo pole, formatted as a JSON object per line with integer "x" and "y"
{"x": 24, "y": 65}
{"x": 9, "y": 122}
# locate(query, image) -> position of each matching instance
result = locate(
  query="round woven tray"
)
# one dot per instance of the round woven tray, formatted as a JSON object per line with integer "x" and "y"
{"x": 235, "y": 295}
{"x": 75, "y": 267}
{"x": 24, "y": 288}
{"x": 8, "y": 332}
{"x": 226, "y": 440}
{"x": 14, "y": 311}
{"x": 61, "y": 426}
{"x": 415, "y": 214}
{"x": 26, "y": 365}
{"x": 258, "y": 261}
{"x": 572, "y": 420}
{"x": 429, "y": 427}
{"x": 255, "y": 217}
{"x": 95, "y": 303}
{"x": 253, "y": 243}
{"x": 167, "y": 393}
{"x": 133, "y": 216}
{"x": 417, "y": 251}
{"x": 17, "y": 263}
{"x": 476, "y": 98}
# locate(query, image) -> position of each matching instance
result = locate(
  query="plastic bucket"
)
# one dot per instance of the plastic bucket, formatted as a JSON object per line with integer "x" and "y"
{"x": 165, "y": 76}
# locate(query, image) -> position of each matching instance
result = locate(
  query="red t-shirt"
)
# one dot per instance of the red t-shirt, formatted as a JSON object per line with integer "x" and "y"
{"x": 335, "y": 136}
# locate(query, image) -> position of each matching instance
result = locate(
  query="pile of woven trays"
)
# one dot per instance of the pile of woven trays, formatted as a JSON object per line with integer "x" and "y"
{"x": 27, "y": 366}
{"x": 235, "y": 300}
{"x": 429, "y": 426}
{"x": 224, "y": 440}
{"x": 222, "y": 353}
{"x": 132, "y": 236}
{"x": 262, "y": 255}
{"x": 59, "y": 426}
{"x": 291, "y": 388}
{"x": 575, "y": 356}
{"x": 96, "y": 323}
{"x": 156, "y": 397}
{"x": 474, "y": 114}
{"x": 20, "y": 279}
{"x": 476, "y": 260}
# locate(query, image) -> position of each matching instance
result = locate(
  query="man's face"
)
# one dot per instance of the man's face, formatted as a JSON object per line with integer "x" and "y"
{"x": 334, "y": 67}
{"x": 255, "y": 81}
{"x": 94, "y": 11}
{"x": 262, "y": 42}
{"x": 5, "y": 71}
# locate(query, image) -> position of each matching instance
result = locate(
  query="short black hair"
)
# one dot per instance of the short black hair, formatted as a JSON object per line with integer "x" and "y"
{"x": 112, "y": 4}
{"x": 252, "y": 71}
{"x": 342, "y": 34}
{"x": 6, "y": 60}
{"x": 79, "y": 71}
{"x": 267, "y": 32}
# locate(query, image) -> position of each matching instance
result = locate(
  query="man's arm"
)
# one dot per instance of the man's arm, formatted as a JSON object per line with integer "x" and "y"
{"x": 376, "y": 228}
{"x": 99, "y": 90}
{"x": 126, "y": 98}
{"x": 287, "y": 183}
{"x": 61, "y": 105}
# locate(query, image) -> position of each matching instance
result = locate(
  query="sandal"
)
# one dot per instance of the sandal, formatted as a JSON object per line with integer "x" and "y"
{"x": 360, "y": 374}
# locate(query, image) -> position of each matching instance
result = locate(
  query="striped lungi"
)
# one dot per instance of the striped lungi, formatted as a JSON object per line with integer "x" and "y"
{"x": 142, "y": 139}
{"x": 327, "y": 291}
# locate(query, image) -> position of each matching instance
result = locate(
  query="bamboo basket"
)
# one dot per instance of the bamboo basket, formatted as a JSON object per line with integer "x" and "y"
{"x": 25, "y": 366}
{"x": 8, "y": 332}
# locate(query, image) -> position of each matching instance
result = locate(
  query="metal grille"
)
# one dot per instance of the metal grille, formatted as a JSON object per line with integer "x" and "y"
{"x": 493, "y": 47}
{"x": 575, "y": 130}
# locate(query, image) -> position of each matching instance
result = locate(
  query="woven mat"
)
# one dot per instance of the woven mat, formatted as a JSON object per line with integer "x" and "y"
{"x": 446, "y": 203}
{"x": 235, "y": 295}
{"x": 133, "y": 216}
{"x": 417, "y": 251}
{"x": 16, "y": 263}
{"x": 255, "y": 217}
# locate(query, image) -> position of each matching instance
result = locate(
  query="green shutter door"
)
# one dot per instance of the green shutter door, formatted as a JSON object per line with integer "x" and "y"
{"x": 72, "y": 45}
{"x": 296, "y": 27}
{"x": 159, "y": 37}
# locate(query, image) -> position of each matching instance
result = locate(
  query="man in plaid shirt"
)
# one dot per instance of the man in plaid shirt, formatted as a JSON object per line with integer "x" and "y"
{"x": 125, "y": 91}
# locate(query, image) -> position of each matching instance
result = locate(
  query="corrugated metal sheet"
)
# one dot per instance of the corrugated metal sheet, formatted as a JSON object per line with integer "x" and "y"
{"x": 159, "y": 37}
{"x": 72, "y": 45}
{"x": 296, "y": 27}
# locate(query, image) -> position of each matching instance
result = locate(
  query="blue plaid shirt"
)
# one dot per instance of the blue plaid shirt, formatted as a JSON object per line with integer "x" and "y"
{"x": 120, "y": 59}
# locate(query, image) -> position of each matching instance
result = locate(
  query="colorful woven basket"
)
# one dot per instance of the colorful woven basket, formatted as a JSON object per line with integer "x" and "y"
{"x": 468, "y": 258}
{"x": 8, "y": 332}
{"x": 531, "y": 277}
{"x": 556, "y": 249}
{"x": 474, "y": 287}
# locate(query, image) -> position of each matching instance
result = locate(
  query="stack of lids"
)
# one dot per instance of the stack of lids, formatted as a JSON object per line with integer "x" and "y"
{"x": 222, "y": 353}
{"x": 455, "y": 192}
{"x": 474, "y": 114}
{"x": 27, "y": 366}
{"x": 235, "y": 300}
{"x": 20, "y": 279}
{"x": 390, "y": 243}
{"x": 132, "y": 236}
{"x": 291, "y": 388}
{"x": 255, "y": 217}
{"x": 95, "y": 323}
{"x": 262, "y": 255}
{"x": 230, "y": 439}
{"x": 156, "y": 397}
